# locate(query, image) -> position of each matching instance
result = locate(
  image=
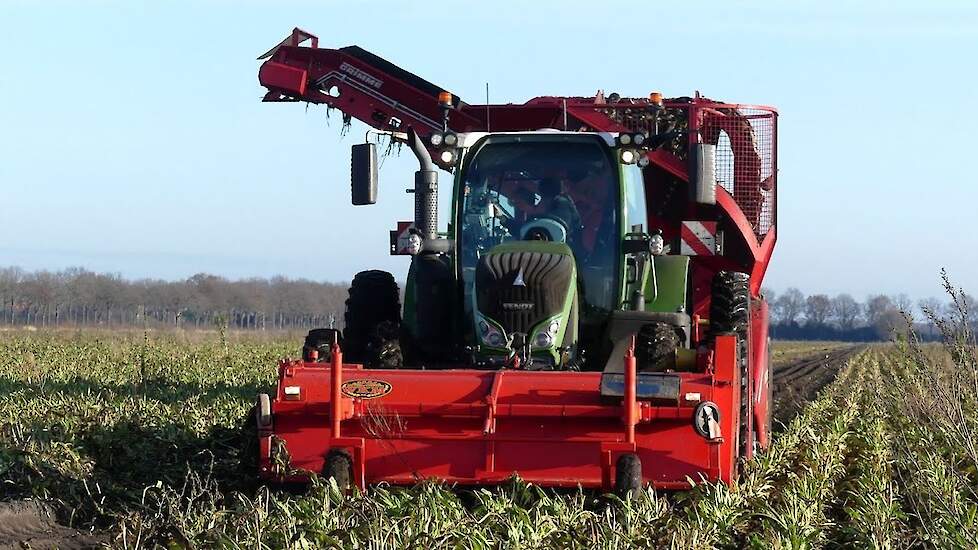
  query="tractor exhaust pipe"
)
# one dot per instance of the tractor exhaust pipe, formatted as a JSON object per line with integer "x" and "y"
{"x": 425, "y": 189}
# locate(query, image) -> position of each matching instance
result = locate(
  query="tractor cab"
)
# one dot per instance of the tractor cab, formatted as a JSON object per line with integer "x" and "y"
{"x": 540, "y": 218}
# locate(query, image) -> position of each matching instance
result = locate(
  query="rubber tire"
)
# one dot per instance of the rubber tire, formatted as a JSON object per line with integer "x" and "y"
{"x": 374, "y": 298}
{"x": 339, "y": 467}
{"x": 318, "y": 339}
{"x": 655, "y": 347}
{"x": 730, "y": 302}
{"x": 730, "y": 313}
{"x": 628, "y": 476}
{"x": 248, "y": 447}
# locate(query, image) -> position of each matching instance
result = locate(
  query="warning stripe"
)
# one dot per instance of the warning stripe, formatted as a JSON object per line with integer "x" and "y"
{"x": 698, "y": 238}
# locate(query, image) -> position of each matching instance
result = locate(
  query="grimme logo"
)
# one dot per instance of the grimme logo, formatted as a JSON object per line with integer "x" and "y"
{"x": 365, "y": 388}
{"x": 361, "y": 76}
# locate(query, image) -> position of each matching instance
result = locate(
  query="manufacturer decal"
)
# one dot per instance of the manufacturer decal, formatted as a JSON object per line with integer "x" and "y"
{"x": 365, "y": 388}
{"x": 361, "y": 75}
{"x": 518, "y": 281}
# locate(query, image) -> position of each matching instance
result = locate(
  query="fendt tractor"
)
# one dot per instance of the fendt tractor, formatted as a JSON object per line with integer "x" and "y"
{"x": 591, "y": 316}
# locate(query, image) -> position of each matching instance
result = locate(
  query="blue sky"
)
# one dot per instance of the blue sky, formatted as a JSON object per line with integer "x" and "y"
{"x": 132, "y": 138}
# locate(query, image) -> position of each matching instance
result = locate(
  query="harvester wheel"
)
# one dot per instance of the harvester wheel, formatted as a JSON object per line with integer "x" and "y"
{"x": 730, "y": 303}
{"x": 373, "y": 320}
{"x": 628, "y": 476}
{"x": 248, "y": 448}
{"x": 319, "y": 340}
{"x": 655, "y": 347}
{"x": 339, "y": 467}
{"x": 730, "y": 313}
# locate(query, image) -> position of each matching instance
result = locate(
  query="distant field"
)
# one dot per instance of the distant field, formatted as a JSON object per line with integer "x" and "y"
{"x": 131, "y": 439}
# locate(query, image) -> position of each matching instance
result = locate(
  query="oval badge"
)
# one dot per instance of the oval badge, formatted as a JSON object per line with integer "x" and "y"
{"x": 365, "y": 388}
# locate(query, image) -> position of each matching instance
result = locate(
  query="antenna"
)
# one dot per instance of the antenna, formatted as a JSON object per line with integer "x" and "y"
{"x": 487, "y": 106}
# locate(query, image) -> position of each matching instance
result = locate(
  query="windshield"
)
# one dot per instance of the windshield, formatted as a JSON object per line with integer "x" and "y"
{"x": 562, "y": 190}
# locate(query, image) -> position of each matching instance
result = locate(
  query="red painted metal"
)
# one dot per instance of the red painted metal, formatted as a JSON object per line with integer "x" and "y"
{"x": 477, "y": 426}
{"x": 553, "y": 428}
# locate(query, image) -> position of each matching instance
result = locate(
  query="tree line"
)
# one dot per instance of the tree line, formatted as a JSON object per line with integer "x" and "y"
{"x": 842, "y": 317}
{"x": 81, "y": 297}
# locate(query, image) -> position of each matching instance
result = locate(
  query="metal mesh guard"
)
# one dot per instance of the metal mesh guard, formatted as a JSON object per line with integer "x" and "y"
{"x": 746, "y": 160}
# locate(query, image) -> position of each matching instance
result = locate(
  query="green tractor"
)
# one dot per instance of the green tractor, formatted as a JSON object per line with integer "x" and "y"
{"x": 547, "y": 264}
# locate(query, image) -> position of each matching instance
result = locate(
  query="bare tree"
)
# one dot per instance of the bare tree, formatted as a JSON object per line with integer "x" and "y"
{"x": 846, "y": 311}
{"x": 877, "y": 307}
{"x": 817, "y": 309}
{"x": 789, "y": 306}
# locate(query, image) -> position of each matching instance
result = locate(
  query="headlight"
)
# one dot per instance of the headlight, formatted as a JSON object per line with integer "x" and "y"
{"x": 546, "y": 337}
{"x": 625, "y": 139}
{"x": 447, "y": 157}
{"x": 639, "y": 139}
{"x": 451, "y": 140}
{"x": 436, "y": 139}
{"x": 657, "y": 245}
{"x": 628, "y": 156}
{"x": 489, "y": 334}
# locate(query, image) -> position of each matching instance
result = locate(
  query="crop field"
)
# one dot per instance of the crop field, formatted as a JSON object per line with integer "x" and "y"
{"x": 131, "y": 440}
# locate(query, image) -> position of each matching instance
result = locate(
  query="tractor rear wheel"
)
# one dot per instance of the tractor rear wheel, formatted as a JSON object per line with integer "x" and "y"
{"x": 655, "y": 347}
{"x": 628, "y": 476}
{"x": 373, "y": 321}
{"x": 339, "y": 467}
{"x": 730, "y": 313}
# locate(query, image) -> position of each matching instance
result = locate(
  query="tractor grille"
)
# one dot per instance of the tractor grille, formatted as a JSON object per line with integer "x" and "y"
{"x": 546, "y": 279}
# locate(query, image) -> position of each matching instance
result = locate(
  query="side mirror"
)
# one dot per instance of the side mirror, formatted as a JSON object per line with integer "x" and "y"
{"x": 703, "y": 173}
{"x": 363, "y": 174}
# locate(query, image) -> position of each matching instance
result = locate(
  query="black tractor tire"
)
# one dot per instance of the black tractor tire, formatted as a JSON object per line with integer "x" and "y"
{"x": 384, "y": 346}
{"x": 373, "y": 320}
{"x": 730, "y": 313}
{"x": 319, "y": 339}
{"x": 628, "y": 476}
{"x": 655, "y": 347}
{"x": 339, "y": 467}
{"x": 248, "y": 447}
{"x": 730, "y": 303}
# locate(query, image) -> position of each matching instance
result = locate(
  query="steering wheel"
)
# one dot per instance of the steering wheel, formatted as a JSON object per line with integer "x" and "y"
{"x": 545, "y": 228}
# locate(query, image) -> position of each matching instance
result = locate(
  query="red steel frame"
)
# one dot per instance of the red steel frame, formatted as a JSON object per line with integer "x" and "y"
{"x": 553, "y": 428}
{"x": 479, "y": 427}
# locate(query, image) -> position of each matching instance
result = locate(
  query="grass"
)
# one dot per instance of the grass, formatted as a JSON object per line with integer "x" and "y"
{"x": 135, "y": 435}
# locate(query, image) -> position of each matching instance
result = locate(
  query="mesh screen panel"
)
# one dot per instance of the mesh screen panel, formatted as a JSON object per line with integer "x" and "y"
{"x": 746, "y": 160}
{"x": 746, "y": 154}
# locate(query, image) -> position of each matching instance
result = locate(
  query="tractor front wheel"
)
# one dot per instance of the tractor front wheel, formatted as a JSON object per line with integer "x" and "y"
{"x": 339, "y": 468}
{"x": 373, "y": 320}
{"x": 655, "y": 347}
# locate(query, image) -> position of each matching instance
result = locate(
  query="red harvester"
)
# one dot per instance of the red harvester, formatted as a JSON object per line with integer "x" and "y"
{"x": 591, "y": 316}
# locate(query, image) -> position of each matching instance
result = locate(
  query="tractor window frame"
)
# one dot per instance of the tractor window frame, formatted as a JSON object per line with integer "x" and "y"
{"x": 612, "y": 249}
